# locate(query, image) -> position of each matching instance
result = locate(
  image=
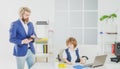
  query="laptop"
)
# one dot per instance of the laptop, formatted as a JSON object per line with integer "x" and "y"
{"x": 98, "y": 61}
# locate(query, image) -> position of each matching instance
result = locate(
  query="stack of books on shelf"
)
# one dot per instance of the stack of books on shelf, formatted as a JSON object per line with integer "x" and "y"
{"x": 45, "y": 48}
{"x": 41, "y": 40}
{"x": 41, "y": 45}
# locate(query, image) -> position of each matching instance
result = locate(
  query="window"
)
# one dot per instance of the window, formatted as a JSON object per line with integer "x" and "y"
{"x": 77, "y": 18}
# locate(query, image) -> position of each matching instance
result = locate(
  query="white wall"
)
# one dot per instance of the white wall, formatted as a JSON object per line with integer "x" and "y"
{"x": 108, "y": 7}
{"x": 41, "y": 10}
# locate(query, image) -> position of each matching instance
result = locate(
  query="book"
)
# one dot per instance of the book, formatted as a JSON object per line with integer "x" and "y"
{"x": 45, "y": 48}
{"x": 79, "y": 67}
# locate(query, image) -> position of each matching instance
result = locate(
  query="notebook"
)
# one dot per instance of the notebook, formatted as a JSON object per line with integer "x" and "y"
{"x": 98, "y": 61}
{"x": 79, "y": 67}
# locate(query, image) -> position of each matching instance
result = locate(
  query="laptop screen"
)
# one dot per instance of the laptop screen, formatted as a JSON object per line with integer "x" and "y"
{"x": 99, "y": 60}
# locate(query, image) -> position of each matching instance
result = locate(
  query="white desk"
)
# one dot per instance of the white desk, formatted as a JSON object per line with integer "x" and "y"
{"x": 52, "y": 66}
{"x": 49, "y": 66}
{"x": 108, "y": 65}
{"x": 111, "y": 65}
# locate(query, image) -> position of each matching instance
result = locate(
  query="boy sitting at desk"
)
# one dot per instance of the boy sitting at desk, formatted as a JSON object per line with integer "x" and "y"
{"x": 71, "y": 54}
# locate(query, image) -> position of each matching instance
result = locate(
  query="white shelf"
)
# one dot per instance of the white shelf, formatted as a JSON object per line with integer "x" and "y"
{"x": 42, "y": 54}
{"x": 109, "y": 36}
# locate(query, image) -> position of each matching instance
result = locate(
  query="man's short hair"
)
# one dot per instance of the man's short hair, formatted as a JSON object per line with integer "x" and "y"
{"x": 23, "y": 9}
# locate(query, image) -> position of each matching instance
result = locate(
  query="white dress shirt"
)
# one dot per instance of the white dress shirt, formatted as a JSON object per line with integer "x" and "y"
{"x": 25, "y": 28}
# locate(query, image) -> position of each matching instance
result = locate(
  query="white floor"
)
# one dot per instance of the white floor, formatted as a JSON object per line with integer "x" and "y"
{"x": 9, "y": 64}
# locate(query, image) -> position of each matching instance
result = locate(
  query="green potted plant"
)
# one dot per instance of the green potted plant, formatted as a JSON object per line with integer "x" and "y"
{"x": 108, "y": 17}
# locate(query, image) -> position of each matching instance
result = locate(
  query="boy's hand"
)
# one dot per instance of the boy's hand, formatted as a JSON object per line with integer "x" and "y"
{"x": 70, "y": 63}
{"x": 83, "y": 61}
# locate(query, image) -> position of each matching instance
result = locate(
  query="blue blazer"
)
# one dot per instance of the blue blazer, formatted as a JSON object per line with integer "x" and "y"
{"x": 17, "y": 34}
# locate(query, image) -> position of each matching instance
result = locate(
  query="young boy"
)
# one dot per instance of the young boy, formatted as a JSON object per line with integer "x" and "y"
{"x": 71, "y": 54}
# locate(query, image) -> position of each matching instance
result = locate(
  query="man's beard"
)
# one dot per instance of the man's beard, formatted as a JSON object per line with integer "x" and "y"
{"x": 25, "y": 20}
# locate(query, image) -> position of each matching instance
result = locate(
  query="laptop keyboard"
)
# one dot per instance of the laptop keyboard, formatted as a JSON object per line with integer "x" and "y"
{"x": 89, "y": 65}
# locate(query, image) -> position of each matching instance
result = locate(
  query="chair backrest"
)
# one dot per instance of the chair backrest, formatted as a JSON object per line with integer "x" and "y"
{"x": 117, "y": 49}
{"x": 60, "y": 55}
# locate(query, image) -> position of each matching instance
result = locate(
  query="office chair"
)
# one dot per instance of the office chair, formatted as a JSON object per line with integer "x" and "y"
{"x": 117, "y": 53}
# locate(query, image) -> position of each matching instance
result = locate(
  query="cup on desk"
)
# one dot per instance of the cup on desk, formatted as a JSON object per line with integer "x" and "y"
{"x": 62, "y": 65}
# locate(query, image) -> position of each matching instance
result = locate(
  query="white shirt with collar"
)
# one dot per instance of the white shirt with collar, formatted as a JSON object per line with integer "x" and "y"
{"x": 25, "y": 26}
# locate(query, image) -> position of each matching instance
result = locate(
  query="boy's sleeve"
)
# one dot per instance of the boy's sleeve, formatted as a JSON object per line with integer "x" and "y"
{"x": 80, "y": 54}
{"x": 64, "y": 54}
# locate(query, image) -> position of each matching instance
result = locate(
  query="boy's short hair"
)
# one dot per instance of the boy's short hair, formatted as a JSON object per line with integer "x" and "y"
{"x": 71, "y": 40}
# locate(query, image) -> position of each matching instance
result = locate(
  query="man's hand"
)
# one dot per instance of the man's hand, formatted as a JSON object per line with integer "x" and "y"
{"x": 33, "y": 36}
{"x": 26, "y": 41}
{"x": 30, "y": 39}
